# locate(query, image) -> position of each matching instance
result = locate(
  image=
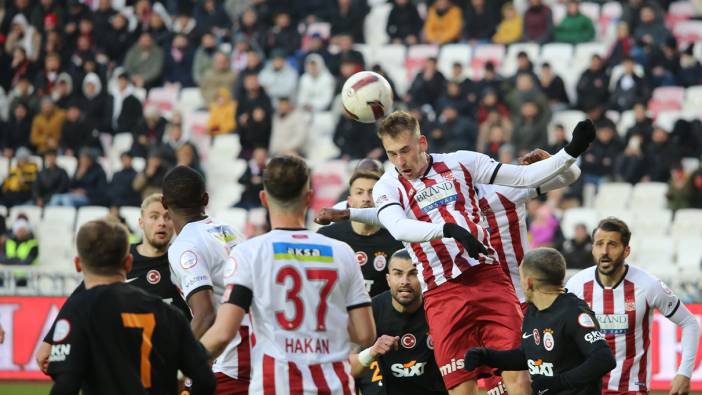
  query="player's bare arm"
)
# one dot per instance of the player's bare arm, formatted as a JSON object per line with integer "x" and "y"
{"x": 361, "y": 361}
{"x": 224, "y": 329}
{"x": 362, "y": 326}
{"x": 203, "y": 307}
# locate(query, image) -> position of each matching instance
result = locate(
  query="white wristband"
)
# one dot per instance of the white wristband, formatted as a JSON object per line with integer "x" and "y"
{"x": 364, "y": 357}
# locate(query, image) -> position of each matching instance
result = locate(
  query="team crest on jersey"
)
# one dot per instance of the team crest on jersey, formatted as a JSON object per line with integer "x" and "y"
{"x": 436, "y": 195}
{"x": 430, "y": 342}
{"x": 549, "y": 341}
{"x": 408, "y": 341}
{"x": 629, "y": 305}
{"x": 188, "y": 259}
{"x": 61, "y": 330}
{"x": 361, "y": 258}
{"x": 153, "y": 276}
{"x": 379, "y": 262}
{"x": 448, "y": 176}
{"x": 537, "y": 336}
{"x": 665, "y": 288}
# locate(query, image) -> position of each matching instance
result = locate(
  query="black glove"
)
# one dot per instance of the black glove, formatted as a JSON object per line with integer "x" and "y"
{"x": 469, "y": 242}
{"x": 545, "y": 385}
{"x": 475, "y": 357}
{"x": 583, "y": 135}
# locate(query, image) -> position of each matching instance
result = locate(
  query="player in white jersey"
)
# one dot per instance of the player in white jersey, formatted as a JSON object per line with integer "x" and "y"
{"x": 305, "y": 292}
{"x": 197, "y": 258}
{"x": 428, "y": 201}
{"x": 623, "y": 297}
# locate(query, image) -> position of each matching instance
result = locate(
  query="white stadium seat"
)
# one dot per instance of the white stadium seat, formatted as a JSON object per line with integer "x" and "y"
{"x": 131, "y": 217}
{"x": 651, "y": 222}
{"x": 568, "y": 118}
{"x": 621, "y": 192}
{"x": 649, "y": 195}
{"x": 454, "y": 53}
{"x": 375, "y": 24}
{"x": 190, "y": 100}
{"x": 576, "y": 216}
{"x": 56, "y": 247}
{"x": 68, "y": 163}
{"x": 625, "y": 215}
{"x": 689, "y": 256}
{"x": 687, "y": 223}
{"x": 59, "y": 216}
{"x": 33, "y": 213}
{"x": 558, "y": 54}
{"x": 89, "y": 213}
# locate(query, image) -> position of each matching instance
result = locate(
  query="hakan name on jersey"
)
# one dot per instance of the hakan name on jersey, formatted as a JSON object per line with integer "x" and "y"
{"x": 409, "y": 369}
{"x": 540, "y": 367}
{"x": 436, "y": 195}
{"x": 307, "y": 345}
{"x": 613, "y": 324}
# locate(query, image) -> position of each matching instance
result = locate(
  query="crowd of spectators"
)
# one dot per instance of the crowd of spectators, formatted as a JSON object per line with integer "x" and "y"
{"x": 76, "y": 73}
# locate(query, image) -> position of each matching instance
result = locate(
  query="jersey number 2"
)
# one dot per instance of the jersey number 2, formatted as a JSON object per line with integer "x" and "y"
{"x": 327, "y": 276}
{"x": 146, "y": 322}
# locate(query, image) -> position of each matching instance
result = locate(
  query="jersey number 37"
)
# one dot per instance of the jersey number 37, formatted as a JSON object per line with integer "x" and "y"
{"x": 327, "y": 277}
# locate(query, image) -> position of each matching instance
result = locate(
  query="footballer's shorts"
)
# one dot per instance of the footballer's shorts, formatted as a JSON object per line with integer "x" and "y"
{"x": 229, "y": 386}
{"x": 477, "y": 309}
{"x": 610, "y": 392}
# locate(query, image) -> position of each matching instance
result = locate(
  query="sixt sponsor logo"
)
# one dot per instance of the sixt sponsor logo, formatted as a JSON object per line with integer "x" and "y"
{"x": 540, "y": 367}
{"x": 409, "y": 369}
{"x": 435, "y": 196}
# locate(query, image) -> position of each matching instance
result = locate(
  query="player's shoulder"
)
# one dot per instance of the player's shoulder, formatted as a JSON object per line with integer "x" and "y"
{"x": 460, "y": 156}
{"x": 336, "y": 230}
{"x": 640, "y": 276}
{"x": 574, "y": 308}
{"x": 580, "y": 278}
{"x": 389, "y": 177}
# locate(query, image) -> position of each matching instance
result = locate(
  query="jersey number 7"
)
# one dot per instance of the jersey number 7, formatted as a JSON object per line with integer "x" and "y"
{"x": 146, "y": 322}
{"x": 327, "y": 276}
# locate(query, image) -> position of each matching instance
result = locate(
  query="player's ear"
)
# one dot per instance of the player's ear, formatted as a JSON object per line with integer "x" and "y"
{"x": 141, "y": 222}
{"x": 627, "y": 251}
{"x": 264, "y": 199}
{"x": 76, "y": 264}
{"x": 205, "y": 199}
{"x": 423, "y": 144}
{"x": 128, "y": 263}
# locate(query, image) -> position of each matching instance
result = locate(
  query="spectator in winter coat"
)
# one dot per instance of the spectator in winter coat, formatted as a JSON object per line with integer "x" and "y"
{"x": 93, "y": 102}
{"x": 428, "y": 85}
{"x": 17, "y": 130}
{"x": 575, "y": 28}
{"x": 593, "y": 86}
{"x": 283, "y": 35}
{"x": 144, "y": 61}
{"x": 222, "y": 114}
{"x": 76, "y": 134}
{"x": 316, "y": 89}
{"x": 118, "y": 38}
{"x": 530, "y": 131}
{"x": 18, "y": 184}
{"x": 46, "y": 126}
{"x": 347, "y": 18}
{"x": 290, "y": 131}
{"x": 690, "y": 72}
{"x": 356, "y": 140}
{"x": 148, "y": 132}
{"x": 204, "y": 56}
{"x": 278, "y": 78}
{"x": 51, "y": 180}
{"x": 510, "y": 28}
{"x": 453, "y": 132}
{"x": 88, "y": 185}
{"x": 444, "y": 23}
{"x": 629, "y": 89}
{"x": 121, "y": 191}
{"x": 553, "y": 87}
{"x": 599, "y": 160}
{"x": 578, "y": 250}
{"x": 123, "y": 107}
{"x": 660, "y": 156}
{"x": 404, "y": 23}
{"x": 480, "y": 21}
{"x": 179, "y": 63}
{"x": 149, "y": 180}
{"x": 252, "y": 180}
{"x": 218, "y": 76}
{"x": 651, "y": 29}
{"x": 538, "y": 22}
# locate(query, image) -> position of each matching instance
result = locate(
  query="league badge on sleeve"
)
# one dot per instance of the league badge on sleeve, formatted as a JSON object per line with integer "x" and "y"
{"x": 188, "y": 260}
{"x": 585, "y": 321}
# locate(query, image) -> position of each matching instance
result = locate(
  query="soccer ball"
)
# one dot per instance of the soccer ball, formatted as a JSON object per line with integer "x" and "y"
{"x": 367, "y": 97}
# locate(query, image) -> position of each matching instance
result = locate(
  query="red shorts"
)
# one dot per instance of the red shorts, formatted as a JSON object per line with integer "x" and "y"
{"x": 477, "y": 309}
{"x": 229, "y": 386}
{"x": 610, "y": 392}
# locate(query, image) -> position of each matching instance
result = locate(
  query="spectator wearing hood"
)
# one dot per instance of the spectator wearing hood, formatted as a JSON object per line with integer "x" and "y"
{"x": 21, "y": 248}
{"x": 88, "y": 186}
{"x": 538, "y": 22}
{"x": 51, "y": 180}
{"x": 93, "y": 102}
{"x": 24, "y": 35}
{"x": 17, "y": 186}
{"x": 278, "y": 78}
{"x": 204, "y": 56}
{"x": 123, "y": 107}
{"x": 17, "y": 130}
{"x": 121, "y": 191}
{"x": 218, "y": 76}
{"x": 47, "y": 126}
{"x": 144, "y": 61}
{"x": 62, "y": 91}
{"x": 222, "y": 113}
{"x": 179, "y": 63}
{"x": 575, "y": 28}
{"x": 76, "y": 134}
{"x": 404, "y": 23}
{"x": 316, "y": 89}
{"x": 444, "y": 23}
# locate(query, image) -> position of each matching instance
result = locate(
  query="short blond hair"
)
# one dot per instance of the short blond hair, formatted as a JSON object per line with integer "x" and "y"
{"x": 154, "y": 197}
{"x": 398, "y": 122}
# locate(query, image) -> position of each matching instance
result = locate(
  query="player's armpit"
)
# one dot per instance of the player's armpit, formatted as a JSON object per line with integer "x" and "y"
{"x": 362, "y": 326}
{"x": 66, "y": 384}
{"x": 393, "y": 218}
{"x": 225, "y": 328}
{"x": 202, "y": 305}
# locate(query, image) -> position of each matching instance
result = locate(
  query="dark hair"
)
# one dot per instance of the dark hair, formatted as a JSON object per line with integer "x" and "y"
{"x": 613, "y": 224}
{"x": 400, "y": 254}
{"x": 547, "y": 265}
{"x": 184, "y": 188}
{"x": 363, "y": 174}
{"x": 102, "y": 246}
{"x": 398, "y": 122}
{"x": 285, "y": 177}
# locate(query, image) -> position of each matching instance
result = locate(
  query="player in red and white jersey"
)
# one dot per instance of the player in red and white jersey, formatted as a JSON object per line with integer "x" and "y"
{"x": 428, "y": 201}
{"x": 197, "y": 258}
{"x": 305, "y": 292}
{"x": 623, "y": 297}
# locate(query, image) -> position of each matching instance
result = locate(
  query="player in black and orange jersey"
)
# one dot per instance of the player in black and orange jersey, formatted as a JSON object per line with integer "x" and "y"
{"x": 114, "y": 338}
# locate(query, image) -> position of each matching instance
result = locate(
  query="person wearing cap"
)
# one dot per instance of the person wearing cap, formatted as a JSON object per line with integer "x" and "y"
{"x": 17, "y": 186}
{"x": 278, "y": 78}
{"x": 51, "y": 180}
{"x": 21, "y": 248}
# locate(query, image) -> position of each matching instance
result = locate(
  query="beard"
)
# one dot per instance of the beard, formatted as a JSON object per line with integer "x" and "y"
{"x": 404, "y": 299}
{"x": 160, "y": 245}
{"x": 606, "y": 265}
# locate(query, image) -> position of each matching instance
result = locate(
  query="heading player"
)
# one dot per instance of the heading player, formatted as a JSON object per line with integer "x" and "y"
{"x": 114, "y": 338}
{"x": 623, "y": 297}
{"x": 428, "y": 201}
{"x": 561, "y": 344}
{"x": 198, "y": 257}
{"x": 305, "y": 292}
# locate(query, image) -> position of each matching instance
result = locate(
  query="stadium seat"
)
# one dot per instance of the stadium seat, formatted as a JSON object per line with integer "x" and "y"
{"x": 591, "y": 10}
{"x": 328, "y": 182}
{"x": 3, "y": 211}
{"x": 56, "y": 247}
{"x": 138, "y": 164}
{"x": 688, "y": 32}
{"x": 224, "y": 196}
{"x": 610, "y": 12}
{"x": 37, "y": 160}
{"x": 654, "y": 251}
{"x": 225, "y": 145}
{"x": 484, "y": 53}
{"x": 509, "y": 64}
{"x": 454, "y": 53}
{"x": 687, "y": 223}
{"x": 59, "y": 216}
{"x": 585, "y": 51}
{"x": 68, "y": 163}
{"x": 375, "y": 23}
{"x": 558, "y": 54}
{"x": 621, "y": 190}
{"x": 195, "y": 123}
{"x": 568, "y": 118}
{"x": 649, "y": 195}
{"x": 131, "y": 217}
{"x": 33, "y": 213}
{"x": 121, "y": 142}
{"x": 689, "y": 256}
{"x": 621, "y": 213}
{"x": 417, "y": 56}
{"x": 651, "y": 222}
{"x": 678, "y": 11}
{"x": 234, "y": 217}
{"x": 673, "y": 96}
{"x": 4, "y": 167}
{"x": 89, "y": 213}
{"x": 667, "y": 118}
{"x": 190, "y": 100}
{"x": 626, "y": 121}
{"x": 690, "y": 164}
{"x": 574, "y": 216}
{"x": 693, "y": 98}
{"x": 164, "y": 98}
{"x": 558, "y": 10}
{"x": 392, "y": 59}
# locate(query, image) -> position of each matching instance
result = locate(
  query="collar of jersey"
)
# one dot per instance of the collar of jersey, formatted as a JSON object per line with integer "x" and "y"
{"x": 621, "y": 280}
{"x": 293, "y": 229}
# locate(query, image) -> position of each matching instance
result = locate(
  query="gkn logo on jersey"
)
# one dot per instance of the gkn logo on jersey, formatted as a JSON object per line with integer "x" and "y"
{"x": 613, "y": 324}
{"x": 540, "y": 367}
{"x": 409, "y": 369}
{"x": 435, "y": 196}
{"x": 594, "y": 336}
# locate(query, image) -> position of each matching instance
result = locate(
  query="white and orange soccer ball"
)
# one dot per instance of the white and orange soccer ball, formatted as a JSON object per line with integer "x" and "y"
{"x": 367, "y": 97}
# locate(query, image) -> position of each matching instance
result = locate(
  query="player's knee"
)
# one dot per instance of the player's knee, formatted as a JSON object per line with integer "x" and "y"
{"x": 465, "y": 388}
{"x": 517, "y": 383}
